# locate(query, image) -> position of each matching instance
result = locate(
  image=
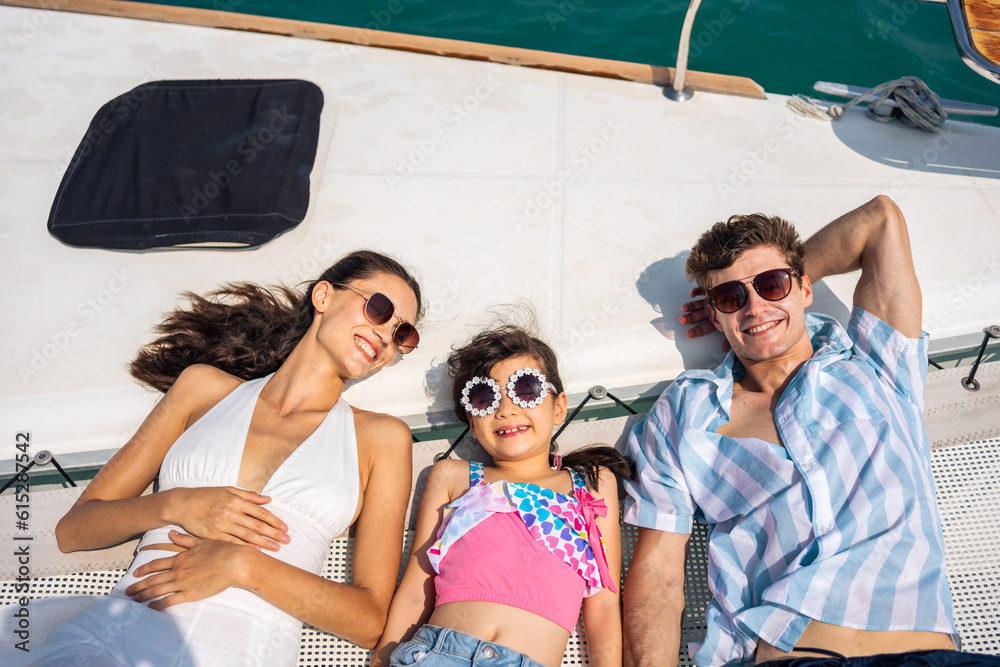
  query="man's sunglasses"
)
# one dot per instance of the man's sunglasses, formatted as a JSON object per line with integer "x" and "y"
{"x": 526, "y": 388}
{"x": 772, "y": 285}
{"x": 379, "y": 310}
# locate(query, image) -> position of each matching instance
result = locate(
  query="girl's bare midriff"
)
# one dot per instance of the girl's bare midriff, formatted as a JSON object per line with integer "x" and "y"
{"x": 853, "y": 643}
{"x": 538, "y": 638}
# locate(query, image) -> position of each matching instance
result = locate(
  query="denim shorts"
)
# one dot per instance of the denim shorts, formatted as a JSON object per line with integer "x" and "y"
{"x": 936, "y": 658}
{"x": 432, "y": 646}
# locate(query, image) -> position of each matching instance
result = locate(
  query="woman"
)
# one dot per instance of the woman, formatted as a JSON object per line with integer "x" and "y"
{"x": 258, "y": 472}
{"x": 504, "y": 556}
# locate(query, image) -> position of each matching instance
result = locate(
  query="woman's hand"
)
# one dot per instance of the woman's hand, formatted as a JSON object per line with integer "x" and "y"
{"x": 203, "y": 569}
{"x": 228, "y": 514}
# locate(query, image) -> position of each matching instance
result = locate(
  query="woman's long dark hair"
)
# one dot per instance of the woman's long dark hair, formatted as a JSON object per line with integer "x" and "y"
{"x": 245, "y": 329}
{"x": 493, "y": 346}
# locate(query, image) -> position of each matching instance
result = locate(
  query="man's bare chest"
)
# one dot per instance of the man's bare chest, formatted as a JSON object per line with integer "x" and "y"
{"x": 752, "y": 416}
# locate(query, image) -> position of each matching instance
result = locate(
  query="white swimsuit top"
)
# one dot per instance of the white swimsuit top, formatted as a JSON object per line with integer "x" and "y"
{"x": 314, "y": 491}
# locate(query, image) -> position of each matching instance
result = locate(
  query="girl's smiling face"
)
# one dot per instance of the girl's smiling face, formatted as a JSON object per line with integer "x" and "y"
{"x": 511, "y": 432}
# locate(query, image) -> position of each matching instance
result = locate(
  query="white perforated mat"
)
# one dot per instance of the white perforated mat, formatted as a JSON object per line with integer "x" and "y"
{"x": 321, "y": 648}
{"x": 80, "y": 583}
{"x": 968, "y": 493}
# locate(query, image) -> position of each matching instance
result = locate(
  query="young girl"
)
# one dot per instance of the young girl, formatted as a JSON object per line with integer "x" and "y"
{"x": 261, "y": 463}
{"x": 504, "y": 555}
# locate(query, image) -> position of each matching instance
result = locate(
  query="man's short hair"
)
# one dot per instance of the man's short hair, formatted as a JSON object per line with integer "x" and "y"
{"x": 721, "y": 246}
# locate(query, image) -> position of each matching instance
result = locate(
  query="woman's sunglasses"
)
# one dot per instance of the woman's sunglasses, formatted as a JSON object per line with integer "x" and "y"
{"x": 526, "y": 388}
{"x": 772, "y": 285}
{"x": 379, "y": 310}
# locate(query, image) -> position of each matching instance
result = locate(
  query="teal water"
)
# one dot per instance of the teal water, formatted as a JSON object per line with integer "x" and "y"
{"x": 783, "y": 45}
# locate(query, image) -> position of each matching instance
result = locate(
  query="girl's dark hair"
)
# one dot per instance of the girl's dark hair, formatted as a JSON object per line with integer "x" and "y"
{"x": 590, "y": 460}
{"x": 493, "y": 346}
{"x": 245, "y": 329}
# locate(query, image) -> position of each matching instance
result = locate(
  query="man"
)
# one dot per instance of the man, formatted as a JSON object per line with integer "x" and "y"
{"x": 804, "y": 451}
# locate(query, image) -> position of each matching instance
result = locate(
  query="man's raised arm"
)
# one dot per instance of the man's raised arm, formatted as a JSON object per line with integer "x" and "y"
{"x": 874, "y": 238}
{"x": 654, "y": 599}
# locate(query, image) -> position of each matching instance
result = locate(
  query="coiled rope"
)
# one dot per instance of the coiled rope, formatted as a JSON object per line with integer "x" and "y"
{"x": 917, "y": 105}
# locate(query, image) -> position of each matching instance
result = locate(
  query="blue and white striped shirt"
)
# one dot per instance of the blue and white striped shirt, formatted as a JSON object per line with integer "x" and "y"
{"x": 839, "y": 525}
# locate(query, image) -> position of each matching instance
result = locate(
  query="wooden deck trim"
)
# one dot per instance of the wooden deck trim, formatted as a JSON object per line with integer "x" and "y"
{"x": 983, "y": 21}
{"x": 982, "y": 15}
{"x": 987, "y": 43}
{"x": 612, "y": 69}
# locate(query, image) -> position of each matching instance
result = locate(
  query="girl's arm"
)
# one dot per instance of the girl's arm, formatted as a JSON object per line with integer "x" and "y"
{"x": 602, "y": 620}
{"x": 356, "y": 611}
{"x": 111, "y": 509}
{"x": 413, "y": 603}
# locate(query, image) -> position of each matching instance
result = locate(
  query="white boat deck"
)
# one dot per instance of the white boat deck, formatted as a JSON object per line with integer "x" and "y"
{"x": 494, "y": 183}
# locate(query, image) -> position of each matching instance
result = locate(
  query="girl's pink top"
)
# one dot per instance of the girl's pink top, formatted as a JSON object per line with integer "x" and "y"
{"x": 522, "y": 545}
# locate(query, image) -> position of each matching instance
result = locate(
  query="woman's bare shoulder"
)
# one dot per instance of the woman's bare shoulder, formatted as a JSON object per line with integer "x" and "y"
{"x": 385, "y": 451}
{"x": 209, "y": 378}
{"x": 382, "y": 429}
{"x": 198, "y": 388}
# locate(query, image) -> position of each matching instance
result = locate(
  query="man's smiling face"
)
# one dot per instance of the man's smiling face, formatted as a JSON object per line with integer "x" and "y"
{"x": 763, "y": 330}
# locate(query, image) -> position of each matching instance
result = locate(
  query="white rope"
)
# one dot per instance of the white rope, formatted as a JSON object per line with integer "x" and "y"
{"x": 810, "y": 108}
{"x": 917, "y": 105}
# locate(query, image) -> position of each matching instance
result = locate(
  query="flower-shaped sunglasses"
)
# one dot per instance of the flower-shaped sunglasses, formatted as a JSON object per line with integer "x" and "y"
{"x": 526, "y": 388}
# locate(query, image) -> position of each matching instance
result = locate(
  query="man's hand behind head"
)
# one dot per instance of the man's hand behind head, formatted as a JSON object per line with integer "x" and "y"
{"x": 697, "y": 313}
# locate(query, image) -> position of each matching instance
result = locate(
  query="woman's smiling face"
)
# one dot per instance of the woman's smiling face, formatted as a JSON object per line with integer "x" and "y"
{"x": 359, "y": 347}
